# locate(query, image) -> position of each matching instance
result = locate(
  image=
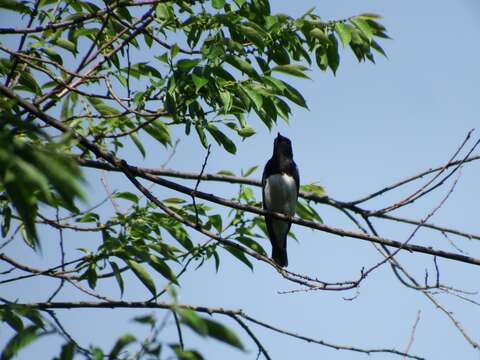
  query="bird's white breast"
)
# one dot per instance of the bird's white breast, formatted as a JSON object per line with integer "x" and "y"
{"x": 281, "y": 194}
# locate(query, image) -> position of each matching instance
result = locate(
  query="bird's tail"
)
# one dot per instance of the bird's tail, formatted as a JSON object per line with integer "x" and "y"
{"x": 279, "y": 255}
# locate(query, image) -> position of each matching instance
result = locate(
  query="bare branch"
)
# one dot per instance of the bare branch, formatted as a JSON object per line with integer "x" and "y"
{"x": 132, "y": 172}
{"x": 201, "y": 309}
{"x": 250, "y": 333}
{"x": 198, "y": 183}
{"x": 412, "y": 335}
{"x": 308, "y": 196}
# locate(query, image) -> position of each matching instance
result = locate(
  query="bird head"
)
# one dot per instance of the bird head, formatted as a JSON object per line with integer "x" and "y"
{"x": 282, "y": 146}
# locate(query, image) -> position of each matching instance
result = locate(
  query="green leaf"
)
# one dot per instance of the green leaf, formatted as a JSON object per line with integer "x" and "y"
{"x": 118, "y": 276}
{"x": 241, "y": 65}
{"x": 290, "y": 69}
{"x": 164, "y": 11}
{"x": 332, "y": 54}
{"x": 68, "y": 350}
{"x": 226, "y": 172}
{"x": 369, "y": 16}
{"x": 29, "y": 82}
{"x": 186, "y": 65}
{"x": 148, "y": 70}
{"x": 250, "y": 171}
{"x": 12, "y": 319}
{"x": 364, "y": 27}
{"x": 216, "y": 221}
{"x": 174, "y": 201}
{"x": 174, "y": 51}
{"x": 283, "y": 110}
{"x": 201, "y": 135}
{"x": 178, "y": 233}
{"x": 121, "y": 343}
{"x": 145, "y": 319}
{"x": 138, "y": 144}
{"x": 378, "y": 48}
{"x": 294, "y": 95}
{"x": 223, "y": 333}
{"x": 159, "y": 131}
{"x": 227, "y": 100}
{"x": 252, "y": 244}
{"x": 253, "y": 35}
{"x": 31, "y": 174}
{"x": 185, "y": 354}
{"x": 13, "y": 5}
{"x": 160, "y": 266}
{"x": 280, "y": 55}
{"x": 193, "y": 321}
{"x": 246, "y": 131}
{"x": 66, "y": 44}
{"x": 32, "y": 315}
{"x": 142, "y": 275}
{"x": 218, "y": 4}
{"x": 320, "y": 35}
{"x": 97, "y": 354}
{"x": 321, "y": 58}
{"x": 222, "y": 139}
{"x": 19, "y": 341}
{"x": 344, "y": 32}
{"x": 92, "y": 277}
{"x": 305, "y": 211}
{"x": 6, "y": 218}
{"x": 127, "y": 196}
{"x": 163, "y": 58}
{"x": 254, "y": 95}
{"x": 52, "y": 55}
{"x": 102, "y": 107}
{"x": 89, "y": 217}
{"x": 239, "y": 255}
{"x": 199, "y": 81}
{"x": 313, "y": 188}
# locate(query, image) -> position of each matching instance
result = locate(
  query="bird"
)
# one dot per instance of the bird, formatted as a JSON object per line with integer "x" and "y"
{"x": 280, "y": 186}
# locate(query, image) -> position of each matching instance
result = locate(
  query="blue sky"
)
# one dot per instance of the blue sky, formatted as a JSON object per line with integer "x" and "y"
{"x": 366, "y": 127}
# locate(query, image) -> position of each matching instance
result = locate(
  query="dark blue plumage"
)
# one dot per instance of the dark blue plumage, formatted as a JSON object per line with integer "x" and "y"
{"x": 280, "y": 186}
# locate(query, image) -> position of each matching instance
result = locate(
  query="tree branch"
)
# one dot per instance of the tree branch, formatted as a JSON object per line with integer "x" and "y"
{"x": 200, "y": 309}
{"x": 123, "y": 166}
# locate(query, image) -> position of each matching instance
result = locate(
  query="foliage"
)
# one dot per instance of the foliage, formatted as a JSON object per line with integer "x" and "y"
{"x": 206, "y": 66}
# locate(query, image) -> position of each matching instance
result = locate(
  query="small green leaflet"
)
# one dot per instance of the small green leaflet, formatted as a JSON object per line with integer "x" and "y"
{"x": 142, "y": 275}
{"x": 218, "y": 4}
{"x": 19, "y": 341}
{"x": 290, "y": 69}
{"x": 239, "y": 255}
{"x": 121, "y": 344}
{"x": 199, "y": 81}
{"x": 344, "y": 32}
{"x": 222, "y": 333}
{"x": 193, "y": 321}
{"x": 127, "y": 196}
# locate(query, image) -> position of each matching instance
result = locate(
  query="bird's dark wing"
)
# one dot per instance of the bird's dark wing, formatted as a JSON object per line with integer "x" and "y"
{"x": 296, "y": 176}
{"x": 268, "y": 219}
{"x": 279, "y": 254}
{"x": 267, "y": 171}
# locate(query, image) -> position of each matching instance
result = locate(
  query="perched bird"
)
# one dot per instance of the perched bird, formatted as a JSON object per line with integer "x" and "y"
{"x": 280, "y": 184}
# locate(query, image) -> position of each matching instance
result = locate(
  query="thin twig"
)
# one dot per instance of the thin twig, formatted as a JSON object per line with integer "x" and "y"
{"x": 62, "y": 261}
{"x": 437, "y": 170}
{"x": 198, "y": 183}
{"x": 179, "y": 330}
{"x": 261, "y": 348}
{"x": 412, "y": 334}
